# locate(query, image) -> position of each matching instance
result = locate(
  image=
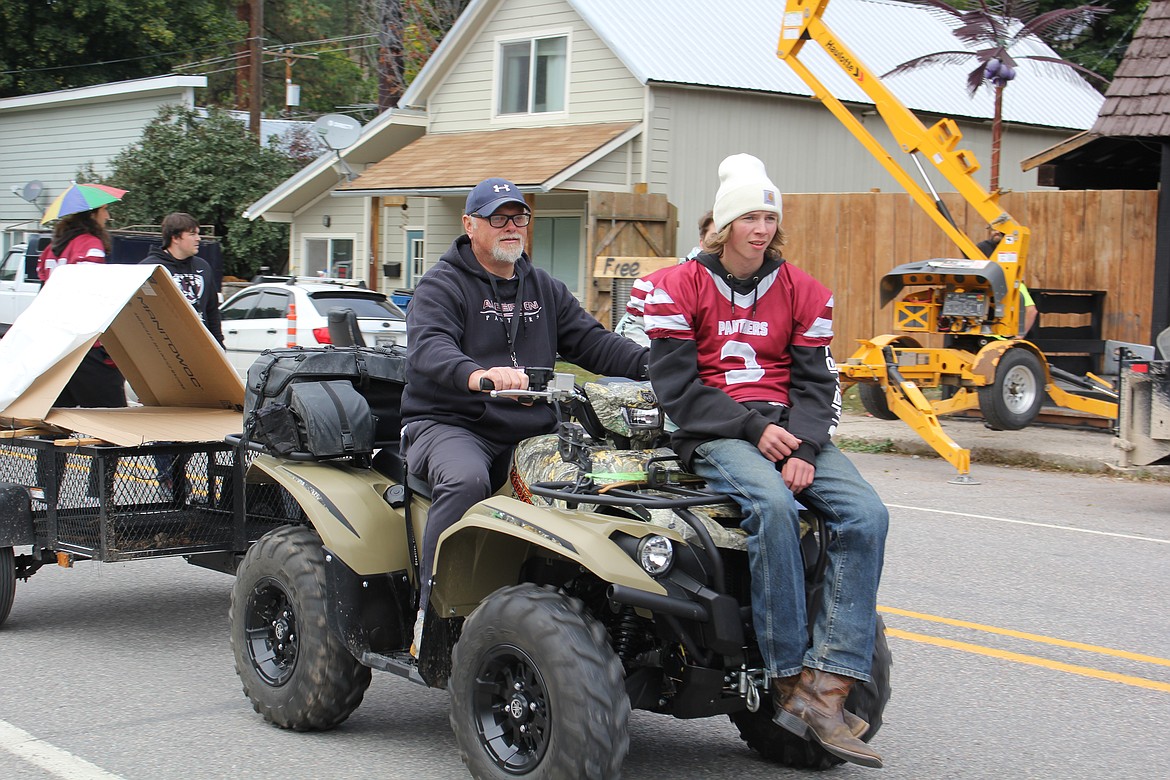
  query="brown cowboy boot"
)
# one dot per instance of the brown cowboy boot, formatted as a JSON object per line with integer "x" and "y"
{"x": 782, "y": 688}
{"x": 815, "y": 710}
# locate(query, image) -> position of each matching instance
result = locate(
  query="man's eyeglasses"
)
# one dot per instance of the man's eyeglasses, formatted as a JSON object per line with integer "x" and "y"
{"x": 499, "y": 220}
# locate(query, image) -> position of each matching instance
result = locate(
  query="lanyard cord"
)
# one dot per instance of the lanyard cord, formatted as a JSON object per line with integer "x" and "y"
{"x": 511, "y": 328}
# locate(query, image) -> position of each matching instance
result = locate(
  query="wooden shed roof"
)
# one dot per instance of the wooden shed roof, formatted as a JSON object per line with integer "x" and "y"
{"x": 529, "y": 157}
{"x": 1137, "y": 103}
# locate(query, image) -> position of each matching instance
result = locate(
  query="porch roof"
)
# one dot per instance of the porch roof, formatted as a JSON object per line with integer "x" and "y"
{"x": 535, "y": 159}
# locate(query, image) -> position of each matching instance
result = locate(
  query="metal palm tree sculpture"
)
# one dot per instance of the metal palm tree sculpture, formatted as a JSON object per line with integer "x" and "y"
{"x": 991, "y": 30}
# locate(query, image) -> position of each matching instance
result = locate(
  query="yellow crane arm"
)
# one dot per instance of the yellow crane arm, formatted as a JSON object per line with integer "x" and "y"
{"x": 803, "y": 22}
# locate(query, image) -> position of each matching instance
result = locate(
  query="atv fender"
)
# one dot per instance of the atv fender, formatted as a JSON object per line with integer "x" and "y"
{"x": 486, "y": 549}
{"x": 16, "y": 520}
{"x": 346, "y": 508}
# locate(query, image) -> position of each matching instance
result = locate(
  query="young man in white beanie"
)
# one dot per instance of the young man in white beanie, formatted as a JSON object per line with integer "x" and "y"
{"x": 740, "y": 360}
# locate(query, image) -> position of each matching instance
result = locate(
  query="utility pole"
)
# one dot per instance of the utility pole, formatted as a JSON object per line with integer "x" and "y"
{"x": 257, "y": 68}
{"x": 290, "y": 60}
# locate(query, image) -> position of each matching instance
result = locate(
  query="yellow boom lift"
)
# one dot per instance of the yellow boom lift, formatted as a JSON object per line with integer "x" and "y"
{"x": 974, "y": 300}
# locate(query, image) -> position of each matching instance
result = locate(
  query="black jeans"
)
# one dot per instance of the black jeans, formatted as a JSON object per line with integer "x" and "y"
{"x": 461, "y": 468}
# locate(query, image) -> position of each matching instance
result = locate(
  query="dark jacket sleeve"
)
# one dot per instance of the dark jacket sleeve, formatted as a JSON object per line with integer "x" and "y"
{"x": 434, "y": 321}
{"x": 211, "y": 317}
{"x": 815, "y": 399}
{"x": 702, "y": 412}
{"x": 585, "y": 342}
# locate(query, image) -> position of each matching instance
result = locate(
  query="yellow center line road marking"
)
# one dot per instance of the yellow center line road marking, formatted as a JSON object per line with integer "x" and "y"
{"x": 1031, "y": 523}
{"x": 1047, "y": 640}
{"x": 48, "y": 757}
{"x": 1031, "y": 660}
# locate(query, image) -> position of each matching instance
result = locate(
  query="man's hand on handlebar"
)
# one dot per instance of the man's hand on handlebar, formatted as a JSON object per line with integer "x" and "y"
{"x": 497, "y": 378}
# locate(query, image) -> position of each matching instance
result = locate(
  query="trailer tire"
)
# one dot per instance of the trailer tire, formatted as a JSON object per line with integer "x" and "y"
{"x": 537, "y": 691}
{"x": 296, "y": 673}
{"x": 867, "y": 700}
{"x": 873, "y": 398}
{"x": 1013, "y": 400}
{"x": 7, "y": 582}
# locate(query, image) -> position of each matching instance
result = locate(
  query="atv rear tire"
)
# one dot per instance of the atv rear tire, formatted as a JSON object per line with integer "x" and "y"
{"x": 866, "y": 700}
{"x": 7, "y": 582}
{"x": 297, "y": 674}
{"x": 536, "y": 691}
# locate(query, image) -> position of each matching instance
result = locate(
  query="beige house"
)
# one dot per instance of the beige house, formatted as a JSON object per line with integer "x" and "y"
{"x": 585, "y": 104}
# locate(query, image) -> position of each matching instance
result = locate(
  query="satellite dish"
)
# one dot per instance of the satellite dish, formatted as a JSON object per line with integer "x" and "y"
{"x": 338, "y": 131}
{"x": 30, "y": 191}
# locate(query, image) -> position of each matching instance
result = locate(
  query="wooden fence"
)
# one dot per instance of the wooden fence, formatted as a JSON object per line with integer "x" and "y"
{"x": 1081, "y": 240}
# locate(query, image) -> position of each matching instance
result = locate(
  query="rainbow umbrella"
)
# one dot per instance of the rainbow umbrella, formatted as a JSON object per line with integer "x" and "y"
{"x": 81, "y": 197}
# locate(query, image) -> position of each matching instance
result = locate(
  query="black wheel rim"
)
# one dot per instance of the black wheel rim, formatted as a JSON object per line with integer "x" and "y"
{"x": 511, "y": 709}
{"x": 270, "y": 631}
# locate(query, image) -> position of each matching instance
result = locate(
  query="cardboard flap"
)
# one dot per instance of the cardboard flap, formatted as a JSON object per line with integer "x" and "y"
{"x": 145, "y": 323}
{"x": 141, "y": 424}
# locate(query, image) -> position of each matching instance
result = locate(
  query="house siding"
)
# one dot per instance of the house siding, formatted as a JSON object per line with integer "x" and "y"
{"x": 600, "y": 87}
{"x": 52, "y": 143}
{"x": 804, "y": 147}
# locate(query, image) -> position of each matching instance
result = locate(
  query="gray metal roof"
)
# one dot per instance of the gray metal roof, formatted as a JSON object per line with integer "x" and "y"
{"x": 732, "y": 43}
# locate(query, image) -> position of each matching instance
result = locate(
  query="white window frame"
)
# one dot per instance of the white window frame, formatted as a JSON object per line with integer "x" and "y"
{"x": 302, "y": 263}
{"x": 498, "y": 65}
{"x": 410, "y": 271}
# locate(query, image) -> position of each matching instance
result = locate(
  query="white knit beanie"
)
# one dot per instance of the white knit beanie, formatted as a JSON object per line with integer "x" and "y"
{"x": 744, "y": 186}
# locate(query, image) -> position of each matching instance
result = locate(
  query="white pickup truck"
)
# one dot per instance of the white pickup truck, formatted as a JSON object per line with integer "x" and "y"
{"x": 18, "y": 284}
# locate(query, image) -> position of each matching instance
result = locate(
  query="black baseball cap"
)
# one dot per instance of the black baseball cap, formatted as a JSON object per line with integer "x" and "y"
{"x": 490, "y": 194}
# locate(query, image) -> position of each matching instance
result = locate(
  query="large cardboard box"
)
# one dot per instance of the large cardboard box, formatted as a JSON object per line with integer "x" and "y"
{"x": 188, "y": 389}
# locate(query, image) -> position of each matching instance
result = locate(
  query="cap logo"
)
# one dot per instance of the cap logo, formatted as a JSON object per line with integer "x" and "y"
{"x": 770, "y": 197}
{"x": 501, "y": 188}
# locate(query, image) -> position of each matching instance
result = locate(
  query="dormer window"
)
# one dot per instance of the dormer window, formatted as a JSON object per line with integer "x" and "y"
{"x": 533, "y": 75}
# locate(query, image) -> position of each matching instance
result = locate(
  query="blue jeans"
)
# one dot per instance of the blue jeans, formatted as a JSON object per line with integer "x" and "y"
{"x": 856, "y": 519}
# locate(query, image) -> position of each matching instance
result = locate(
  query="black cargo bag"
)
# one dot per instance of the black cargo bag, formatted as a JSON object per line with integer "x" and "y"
{"x": 314, "y": 424}
{"x": 378, "y": 374}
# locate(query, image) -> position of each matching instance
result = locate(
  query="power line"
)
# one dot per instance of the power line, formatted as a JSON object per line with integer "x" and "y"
{"x": 115, "y": 62}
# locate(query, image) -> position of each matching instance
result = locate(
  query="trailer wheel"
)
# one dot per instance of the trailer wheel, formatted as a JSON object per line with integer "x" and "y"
{"x": 7, "y": 582}
{"x": 536, "y": 690}
{"x": 866, "y": 700}
{"x": 296, "y": 673}
{"x": 873, "y": 398}
{"x": 1013, "y": 400}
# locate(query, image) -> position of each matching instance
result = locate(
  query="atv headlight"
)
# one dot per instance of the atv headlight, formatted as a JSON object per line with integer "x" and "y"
{"x": 642, "y": 419}
{"x": 655, "y": 555}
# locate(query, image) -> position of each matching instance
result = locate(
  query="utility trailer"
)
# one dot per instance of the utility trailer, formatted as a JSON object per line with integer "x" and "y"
{"x": 69, "y": 499}
{"x": 120, "y": 484}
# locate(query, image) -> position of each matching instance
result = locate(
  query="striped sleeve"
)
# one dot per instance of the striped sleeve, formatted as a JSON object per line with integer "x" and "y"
{"x": 636, "y": 305}
{"x": 665, "y": 317}
{"x": 814, "y": 319}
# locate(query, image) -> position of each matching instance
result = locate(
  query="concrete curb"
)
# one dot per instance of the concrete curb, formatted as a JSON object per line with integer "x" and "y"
{"x": 1050, "y": 448}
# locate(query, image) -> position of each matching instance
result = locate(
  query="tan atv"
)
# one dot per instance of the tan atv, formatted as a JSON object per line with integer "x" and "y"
{"x": 601, "y": 579}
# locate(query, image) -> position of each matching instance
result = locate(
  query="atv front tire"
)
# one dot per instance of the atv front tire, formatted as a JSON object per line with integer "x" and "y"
{"x": 866, "y": 700}
{"x": 297, "y": 674}
{"x": 536, "y": 691}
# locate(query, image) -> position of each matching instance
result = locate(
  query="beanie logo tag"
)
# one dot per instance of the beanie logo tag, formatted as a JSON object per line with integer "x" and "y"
{"x": 769, "y": 197}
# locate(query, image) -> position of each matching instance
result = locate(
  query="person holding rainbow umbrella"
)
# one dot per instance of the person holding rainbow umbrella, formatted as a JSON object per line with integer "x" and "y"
{"x": 80, "y": 237}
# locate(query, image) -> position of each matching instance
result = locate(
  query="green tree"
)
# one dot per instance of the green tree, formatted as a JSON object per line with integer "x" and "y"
{"x": 75, "y": 43}
{"x": 991, "y": 29}
{"x": 1101, "y": 45}
{"x": 210, "y": 168}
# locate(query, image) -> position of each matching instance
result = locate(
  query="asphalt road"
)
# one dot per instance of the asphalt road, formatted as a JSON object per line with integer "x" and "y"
{"x": 1026, "y": 616}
